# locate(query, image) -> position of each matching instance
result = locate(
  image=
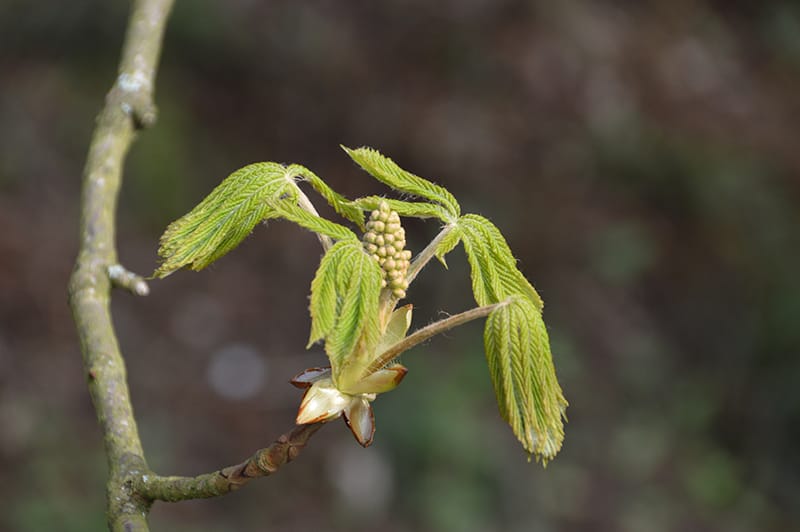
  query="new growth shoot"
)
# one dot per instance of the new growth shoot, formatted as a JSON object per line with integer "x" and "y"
{"x": 361, "y": 279}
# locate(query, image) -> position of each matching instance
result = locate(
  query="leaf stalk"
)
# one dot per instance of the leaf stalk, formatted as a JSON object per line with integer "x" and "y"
{"x": 305, "y": 203}
{"x": 427, "y": 332}
{"x": 425, "y": 256}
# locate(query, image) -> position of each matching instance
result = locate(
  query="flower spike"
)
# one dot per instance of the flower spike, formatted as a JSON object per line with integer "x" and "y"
{"x": 385, "y": 241}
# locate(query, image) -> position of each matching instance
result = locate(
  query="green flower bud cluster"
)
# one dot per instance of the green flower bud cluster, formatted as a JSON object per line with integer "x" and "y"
{"x": 385, "y": 240}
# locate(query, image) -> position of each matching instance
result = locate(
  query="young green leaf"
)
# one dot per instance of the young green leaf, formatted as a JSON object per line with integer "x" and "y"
{"x": 389, "y": 173}
{"x": 287, "y": 208}
{"x": 224, "y": 218}
{"x": 341, "y": 205}
{"x": 521, "y": 366}
{"x": 344, "y": 305}
{"x": 446, "y": 244}
{"x": 494, "y": 272}
{"x": 408, "y": 209}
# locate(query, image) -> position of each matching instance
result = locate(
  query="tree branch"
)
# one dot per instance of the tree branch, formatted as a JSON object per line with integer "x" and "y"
{"x": 131, "y": 487}
{"x": 263, "y": 463}
{"x": 128, "y": 107}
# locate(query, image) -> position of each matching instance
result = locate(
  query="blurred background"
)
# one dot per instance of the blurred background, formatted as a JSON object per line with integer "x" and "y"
{"x": 641, "y": 158}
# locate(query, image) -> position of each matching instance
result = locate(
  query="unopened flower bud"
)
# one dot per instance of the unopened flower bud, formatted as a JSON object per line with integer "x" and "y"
{"x": 385, "y": 240}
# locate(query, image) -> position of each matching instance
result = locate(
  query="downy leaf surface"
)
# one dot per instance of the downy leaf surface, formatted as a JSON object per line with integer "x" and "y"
{"x": 288, "y": 209}
{"x": 224, "y": 218}
{"x": 344, "y": 305}
{"x": 494, "y": 272}
{"x": 389, "y": 173}
{"x": 343, "y": 206}
{"x": 521, "y": 367}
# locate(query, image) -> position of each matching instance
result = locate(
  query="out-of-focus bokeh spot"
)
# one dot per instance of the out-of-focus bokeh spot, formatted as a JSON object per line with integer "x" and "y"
{"x": 236, "y": 372}
{"x": 364, "y": 483}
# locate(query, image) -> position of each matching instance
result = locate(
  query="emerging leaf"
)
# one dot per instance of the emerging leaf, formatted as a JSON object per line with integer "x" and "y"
{"x": 451, "y": 238}
{"x": 341, "y": 205}
{"x": 409, "y": 209}
{"x": 521, "y": 366}
{"x": 387, "y": 172}
{"x": 344, "y": 306}
{"x": 287, "y": 208}
{"x": 494, "y": 272}
{"x": 224, "y": 218}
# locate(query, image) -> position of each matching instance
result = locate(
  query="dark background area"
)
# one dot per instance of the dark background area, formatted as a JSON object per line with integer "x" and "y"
{"x": 642, "y": 159}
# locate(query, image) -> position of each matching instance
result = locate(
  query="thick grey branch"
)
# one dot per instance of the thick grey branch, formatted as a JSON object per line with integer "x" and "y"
{"x": 128, "y": 107}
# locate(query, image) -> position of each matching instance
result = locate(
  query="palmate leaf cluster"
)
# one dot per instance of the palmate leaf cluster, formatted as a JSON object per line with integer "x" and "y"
{"x": 346, "y": 291}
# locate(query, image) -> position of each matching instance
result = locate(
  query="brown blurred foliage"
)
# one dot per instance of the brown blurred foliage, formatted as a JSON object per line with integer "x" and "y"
{"x": 641, "y": 158}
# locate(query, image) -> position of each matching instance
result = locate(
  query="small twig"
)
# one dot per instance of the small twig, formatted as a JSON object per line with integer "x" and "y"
{"x": 127, "y": 280}
{"x": 263, "y": 463}
{"x": 420, "y": 335}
